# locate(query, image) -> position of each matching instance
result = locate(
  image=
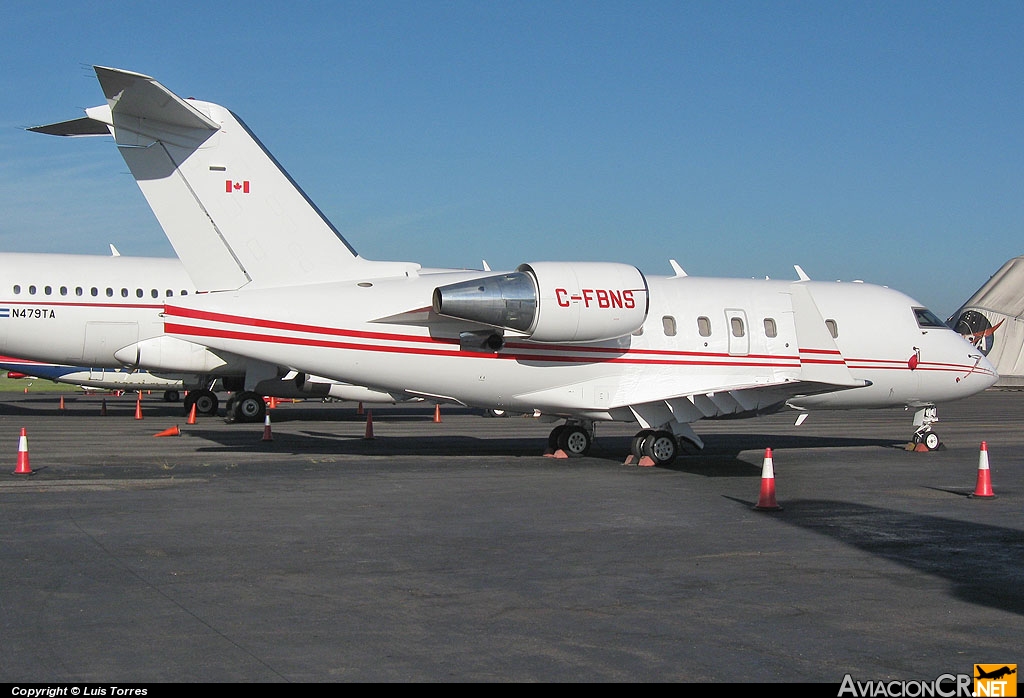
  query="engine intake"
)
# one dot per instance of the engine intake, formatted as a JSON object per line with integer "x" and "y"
{"x": 553, "y": 301}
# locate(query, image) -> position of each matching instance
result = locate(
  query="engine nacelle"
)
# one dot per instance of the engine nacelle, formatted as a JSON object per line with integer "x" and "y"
{"x": 553, "y": 301}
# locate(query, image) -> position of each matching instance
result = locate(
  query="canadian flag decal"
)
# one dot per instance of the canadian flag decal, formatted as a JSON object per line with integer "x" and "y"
{"x": 239, "y": 187}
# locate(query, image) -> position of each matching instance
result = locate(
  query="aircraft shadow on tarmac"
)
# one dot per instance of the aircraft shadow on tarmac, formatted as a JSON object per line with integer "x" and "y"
{"x": 720, "y": 458}
{"x": 981, "y": 562}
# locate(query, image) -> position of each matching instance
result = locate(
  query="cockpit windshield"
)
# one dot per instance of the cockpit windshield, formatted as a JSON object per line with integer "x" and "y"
{"x": 926, "y": 318}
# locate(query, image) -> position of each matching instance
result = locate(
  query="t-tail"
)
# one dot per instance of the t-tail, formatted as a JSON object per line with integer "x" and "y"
{"x": 233, "y": 215}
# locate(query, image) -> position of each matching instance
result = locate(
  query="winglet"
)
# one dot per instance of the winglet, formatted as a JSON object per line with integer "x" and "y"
{"x": 801, "y": 274}
{"x": 677, "y": 269}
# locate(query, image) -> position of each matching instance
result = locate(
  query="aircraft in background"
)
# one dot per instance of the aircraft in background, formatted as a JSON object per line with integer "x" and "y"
{"x": 583, "y": 341}
{"x": 94, "y": 378}
{"x": 993, "y": 321}
{"x": 83, "y": 310}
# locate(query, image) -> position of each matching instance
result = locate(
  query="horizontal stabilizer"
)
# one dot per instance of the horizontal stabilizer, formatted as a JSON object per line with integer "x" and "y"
{"x": 76, "y": 127}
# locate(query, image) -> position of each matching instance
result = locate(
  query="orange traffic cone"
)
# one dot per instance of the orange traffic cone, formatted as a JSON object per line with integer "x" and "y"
{"x": 359, "y": 409}
{"x": 437, "y": 414}
{"x": 173, "y": 431}
{"x": 23, "y": 468}
{"x": 984, "y": 486}
{"x": 138, "y": 406}
{"x": 191, "y": 415}
{"x": 369, "y": 424}
{"x": 267, "y": 436}
{"x": 103, "y": 408}
{"x": 273, "y": 403}
{"x": 62, "y": 404}
{"x": 766, "y": 502}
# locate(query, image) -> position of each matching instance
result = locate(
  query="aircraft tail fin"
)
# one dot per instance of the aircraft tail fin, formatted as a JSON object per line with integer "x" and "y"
{"x": 993, "y": 321}
{"x": 233, "y": 215}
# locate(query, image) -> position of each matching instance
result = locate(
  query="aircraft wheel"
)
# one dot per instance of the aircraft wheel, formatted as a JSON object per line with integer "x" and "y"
{"x": 495, "y": 413}
{"x": 171, "y": 396}
{"x": 931, "y": 440}
{"x": 636, "y": 446}
{"x": 574, "y": 440}
{"x": 205, "y": 402}
{"x": 661, "y": 447}
{"x": 249, "y": 407}
{"x": 554, "y": 436}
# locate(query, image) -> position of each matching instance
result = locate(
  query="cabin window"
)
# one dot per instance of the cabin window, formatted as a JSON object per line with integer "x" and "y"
{"x": 78, "y": 290}
{"x": 737, "y": 327}
{"x": 17, "y": 288}
{"x": 139, "y": 293}
{"x": 669, "y": 324}
{"x": 185, "y": 293}
{"x": 110, "y": 292}
{"x": 770, "y": 330}
{"x": 48, "y": 290}
{"x": 32, "y": 290}
{"x": 154, "y": 293}
{"x": 94, "y": 291}
{"x": 926, "y": 318}
{"x": 833, "y": 328}
{"x": 124, "y": 293}
{"x": 704, "y": 326}
{"x": 63, "y": 290}
{"x": 170, "y": 293}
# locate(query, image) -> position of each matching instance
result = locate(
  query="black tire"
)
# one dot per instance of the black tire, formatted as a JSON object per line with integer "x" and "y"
{"x": 249, "y": 407}
{"x": 574, "y": 440}
{"x": 661, "y": 447}
{"x": 636, "y": 446}
{"x": 205, "y": 402}
{"x": 171, "y": 396}
{"x": 554, "y": 435}
{"x": 931, "y": 440}
{"x": 495, "y": 413}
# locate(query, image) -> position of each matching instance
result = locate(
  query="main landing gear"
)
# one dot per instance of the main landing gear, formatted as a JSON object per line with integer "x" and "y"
{"x": 572, "y": 438}
{"x": 246, "y": 407}
{"x": 924, "y": 436}
{"x": 204, "y": 400}
{"x": 648, "y": 447}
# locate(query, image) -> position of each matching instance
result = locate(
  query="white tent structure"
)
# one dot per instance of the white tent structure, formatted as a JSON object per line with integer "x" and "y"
{"x": 993, "y": 320}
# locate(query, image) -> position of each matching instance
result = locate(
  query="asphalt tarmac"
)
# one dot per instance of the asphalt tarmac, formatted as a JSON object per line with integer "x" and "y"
{"x": 454, "y": 551}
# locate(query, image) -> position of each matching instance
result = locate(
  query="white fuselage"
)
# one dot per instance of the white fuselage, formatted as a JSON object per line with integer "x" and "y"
{"x": 381, "y": 332}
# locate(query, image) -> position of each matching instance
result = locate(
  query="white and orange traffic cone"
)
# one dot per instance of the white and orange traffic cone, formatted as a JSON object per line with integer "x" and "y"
{"x": 369, "y": 424}
{"x": 984, "y": 486}
{"x": 138, "y": 406}
{"x": 191, "y": 415}
{"x": 172, "y": 431}
{"x": 766, "y": 501}
{"x": 23, "y": 467}
{"x": 267, "y": 436}
{"x": 437, "y": 414}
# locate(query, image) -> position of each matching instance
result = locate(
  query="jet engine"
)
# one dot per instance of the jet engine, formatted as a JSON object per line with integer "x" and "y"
{"x": 553, "y": 301}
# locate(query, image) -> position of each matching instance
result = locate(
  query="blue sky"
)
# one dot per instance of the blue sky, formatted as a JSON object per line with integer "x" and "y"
{"x": 877, "y": 141}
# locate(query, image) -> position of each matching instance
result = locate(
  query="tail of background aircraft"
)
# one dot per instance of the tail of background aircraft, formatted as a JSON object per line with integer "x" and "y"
{"x": 993, "y": 320}
{"x": 207, "y": 178}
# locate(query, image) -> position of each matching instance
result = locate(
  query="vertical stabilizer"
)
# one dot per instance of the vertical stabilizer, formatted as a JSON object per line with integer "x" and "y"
{"x": 232, "y": 214}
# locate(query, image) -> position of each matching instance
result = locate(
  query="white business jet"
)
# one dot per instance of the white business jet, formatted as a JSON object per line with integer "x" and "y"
{"x": 583, "y": 341}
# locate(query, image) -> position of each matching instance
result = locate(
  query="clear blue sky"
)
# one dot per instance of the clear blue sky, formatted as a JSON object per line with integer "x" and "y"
{"x": 881, "y": 141}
